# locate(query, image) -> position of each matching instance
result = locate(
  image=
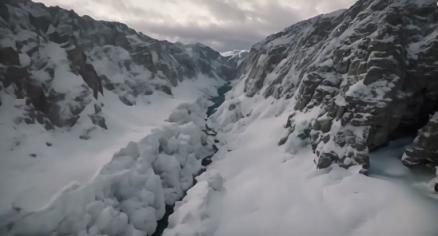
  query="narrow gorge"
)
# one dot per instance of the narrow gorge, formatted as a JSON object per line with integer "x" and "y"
{"x": 328, "y": 127}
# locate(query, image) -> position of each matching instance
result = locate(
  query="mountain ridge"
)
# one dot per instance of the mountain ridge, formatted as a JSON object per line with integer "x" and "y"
{"x": 372, "y": 45}
{"x": 335, "y": 88}
{"x": 86, "y": 42}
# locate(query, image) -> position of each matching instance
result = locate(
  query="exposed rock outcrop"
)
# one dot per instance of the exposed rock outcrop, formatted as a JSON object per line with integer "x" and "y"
{"x": 363, "y": 76}
{"x": 8, "y": 56}
{"x": 424, "y": 149}
{"x": 61, "y": 63}
{"x": 79, "y": 65}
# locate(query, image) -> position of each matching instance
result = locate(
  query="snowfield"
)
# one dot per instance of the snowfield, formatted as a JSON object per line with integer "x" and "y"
{"x": 36, "y": 164}
{"x": 266, "y": 189}
{"x": 130, "y": 192}
{"x": 75, "y": 90}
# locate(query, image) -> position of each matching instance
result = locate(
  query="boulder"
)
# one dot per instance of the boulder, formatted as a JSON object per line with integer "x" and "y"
{"x": 424, "y": 148}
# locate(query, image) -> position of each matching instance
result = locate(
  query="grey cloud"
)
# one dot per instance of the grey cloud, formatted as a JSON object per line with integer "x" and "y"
{"x": 240, "y": 28}
{"x": 220, "y": 37}
{"x": 223, "y": 24}
{"x": 224, "y": 10}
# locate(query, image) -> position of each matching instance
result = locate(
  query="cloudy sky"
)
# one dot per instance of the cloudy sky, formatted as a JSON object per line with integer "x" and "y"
{"x": 221, "y": 24}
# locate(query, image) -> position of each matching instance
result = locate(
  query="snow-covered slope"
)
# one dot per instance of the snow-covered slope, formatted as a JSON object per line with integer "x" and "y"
{"x": 363, "y": 76}
{"x": 236, "y": 56}
{"x": 130, "y": 193}
{"x": 318, "y": 104}
{"x": 61, "y": 63}
{"x": 256, "y": 188}
{"x": 61, "y": 157}
{"x": 293, "y": 137}
{"x": 73, "y": 91}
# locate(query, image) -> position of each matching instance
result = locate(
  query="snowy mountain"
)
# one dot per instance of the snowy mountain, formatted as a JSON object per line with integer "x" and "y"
{"x": 362, "y": 76}
{"x": 73, "y": 91}
{"x": 236, "y": 56}
{"x": 70, "y": 61}
{"x": 318, "y": 136}
{"x": 319, "y": 105}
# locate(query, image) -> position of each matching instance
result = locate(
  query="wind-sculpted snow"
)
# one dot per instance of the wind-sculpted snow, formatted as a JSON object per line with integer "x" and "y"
{"x": 363, "y": 76}
{"x": 129, "y": 194}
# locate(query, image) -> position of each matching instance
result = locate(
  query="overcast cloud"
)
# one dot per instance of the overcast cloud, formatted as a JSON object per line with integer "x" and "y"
{"x": 221, "y": 24}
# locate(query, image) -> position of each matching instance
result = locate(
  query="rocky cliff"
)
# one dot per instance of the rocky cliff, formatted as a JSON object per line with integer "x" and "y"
{"x": 363, "y": 76}
{"x": 351, "y": 80}
{"x": 60, "y": 63}
{"x": 63, "y": 74}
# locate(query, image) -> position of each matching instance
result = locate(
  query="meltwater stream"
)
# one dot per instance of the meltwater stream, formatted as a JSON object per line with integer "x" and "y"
{"x": 217, "y": 101}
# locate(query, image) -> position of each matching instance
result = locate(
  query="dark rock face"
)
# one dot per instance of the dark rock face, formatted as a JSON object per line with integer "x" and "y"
{"x": 424, "y": 149}
{"x": 61, "y": 62}
{"x": 8, "y": 56}
{"x": 363, "y": 76}
{"x": 88, "y": 73}
{"x": 237, "y": 58}
{"x": 97, "y": 117}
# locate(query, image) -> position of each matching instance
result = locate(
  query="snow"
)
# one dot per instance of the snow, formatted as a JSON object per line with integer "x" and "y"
{"x": 193, "y": 212}
{"x": 272, "y": 190}
{"x": 111, "y": 61}
{"x": 68, "y": 158}
{"x": 340, "y": 101}
{"x": 234, "y": 53}
{"x": 374, "y": 92}
{"x": 253, "y": 187}
{"x": 129, "y": 193}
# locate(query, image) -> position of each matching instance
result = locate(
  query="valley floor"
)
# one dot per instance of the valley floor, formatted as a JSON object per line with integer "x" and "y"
{"x": 254, "y": 187}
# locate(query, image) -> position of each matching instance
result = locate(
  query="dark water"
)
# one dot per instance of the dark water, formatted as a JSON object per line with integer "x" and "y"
{"x": 164, "y": 222}
{"x": 218, "y": 100}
